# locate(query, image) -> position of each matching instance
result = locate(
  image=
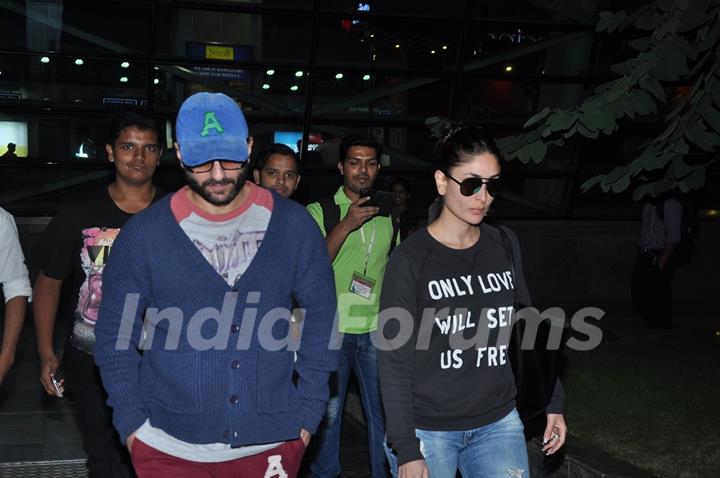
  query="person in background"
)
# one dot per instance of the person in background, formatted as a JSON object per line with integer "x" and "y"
{"x": 404, "y": 220}
{"x": 10, "y": 153}
{"x": 358, "y": 241}
{"x": 74, "y": 248}
{"x": 15, "y": 287}
{"x": 451, "y": 404}
{"x": 660, "y": 233}
{"x": 276, "y": 167}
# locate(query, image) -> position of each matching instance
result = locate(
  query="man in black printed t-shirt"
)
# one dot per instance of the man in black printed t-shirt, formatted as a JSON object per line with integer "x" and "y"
{"x": 74, "y": 249}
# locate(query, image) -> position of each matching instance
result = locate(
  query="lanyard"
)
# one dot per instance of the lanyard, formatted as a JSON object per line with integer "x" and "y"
{"x": 367, "y": 247}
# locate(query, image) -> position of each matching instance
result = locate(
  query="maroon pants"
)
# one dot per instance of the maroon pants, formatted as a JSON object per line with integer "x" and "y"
{"x": 280, "y": 462}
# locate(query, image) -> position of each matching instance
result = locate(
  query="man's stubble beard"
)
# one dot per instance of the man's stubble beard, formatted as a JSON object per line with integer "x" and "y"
{"x": 355, "y": 188}
{"x": 199, "y": 188}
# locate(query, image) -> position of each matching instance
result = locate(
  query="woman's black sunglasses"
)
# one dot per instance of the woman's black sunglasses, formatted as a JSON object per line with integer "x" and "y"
{"x": 471, "y": 186}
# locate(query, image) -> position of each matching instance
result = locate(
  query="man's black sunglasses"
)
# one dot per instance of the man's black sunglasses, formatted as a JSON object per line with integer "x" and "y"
{"x": 207, "y": 167}
{"x": 472, "y": 186}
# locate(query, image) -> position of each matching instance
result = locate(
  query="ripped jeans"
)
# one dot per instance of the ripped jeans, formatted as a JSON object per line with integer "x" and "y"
{"x": 497, "y": 450}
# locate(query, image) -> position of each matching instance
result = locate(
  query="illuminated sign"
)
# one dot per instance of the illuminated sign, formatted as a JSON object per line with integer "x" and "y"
{"x": 362, "y": 7}
{"x": 14, "y": 132}
{"x": 347, "y": 24}
{"x": 292, "y": 138}
{"x": 109, "y": 100}
{"x": 214, "y": 51}
{"x": 217, "y": 52}
{"x": 222, "y": 73}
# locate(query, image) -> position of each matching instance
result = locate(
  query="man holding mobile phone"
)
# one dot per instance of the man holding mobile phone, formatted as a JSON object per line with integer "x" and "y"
{"x": 358, "y": 241}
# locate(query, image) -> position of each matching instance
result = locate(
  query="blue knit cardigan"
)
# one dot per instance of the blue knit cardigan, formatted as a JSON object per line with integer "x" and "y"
{"x": 213, "y": 368}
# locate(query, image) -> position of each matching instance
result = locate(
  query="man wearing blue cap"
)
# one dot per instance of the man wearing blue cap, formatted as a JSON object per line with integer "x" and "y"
{"x": 203, "y": 283}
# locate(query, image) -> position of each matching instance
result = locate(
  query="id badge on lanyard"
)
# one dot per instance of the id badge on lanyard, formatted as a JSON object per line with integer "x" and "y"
{"x": 360, "y": 283}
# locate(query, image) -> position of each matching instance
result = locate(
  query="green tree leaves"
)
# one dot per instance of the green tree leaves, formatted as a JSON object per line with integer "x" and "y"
{"x": 651, "y": 85}
{"x": 681, "y": 44}
{"x": 534, "y": 152}
{"x": 610, "y": 22}
{"x": 537, "y": 117}
{"x": 679, "y": 34}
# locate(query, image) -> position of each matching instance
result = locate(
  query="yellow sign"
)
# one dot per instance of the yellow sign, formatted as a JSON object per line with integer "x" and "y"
{"x": 215, "y": 52}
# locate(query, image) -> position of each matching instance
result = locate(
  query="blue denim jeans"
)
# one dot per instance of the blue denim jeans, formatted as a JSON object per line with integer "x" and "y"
{"x": 359, "y": 355}
{"x": 497, "y": 450}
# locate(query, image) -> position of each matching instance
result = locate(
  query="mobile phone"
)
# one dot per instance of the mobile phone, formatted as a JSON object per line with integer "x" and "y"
{"x": 380, "y": 199}
{"x": 56, "y": 386}
{"x": 367, "y": 193}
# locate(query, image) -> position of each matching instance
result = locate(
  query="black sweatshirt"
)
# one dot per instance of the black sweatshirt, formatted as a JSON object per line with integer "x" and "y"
{"x": 453, "y": 373}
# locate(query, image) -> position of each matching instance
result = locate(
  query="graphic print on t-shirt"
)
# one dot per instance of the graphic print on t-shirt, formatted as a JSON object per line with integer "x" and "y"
{"x": 227, "y": 241}
{"x": 97, "y": 242}
{"x": 461, "y": 302}
{"x": 469, "y": 330}
{"x": 230, "y": 257}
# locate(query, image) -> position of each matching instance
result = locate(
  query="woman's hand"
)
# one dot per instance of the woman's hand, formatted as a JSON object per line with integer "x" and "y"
{"x": 555, "y": 433}
{"x": 414, "y": 469}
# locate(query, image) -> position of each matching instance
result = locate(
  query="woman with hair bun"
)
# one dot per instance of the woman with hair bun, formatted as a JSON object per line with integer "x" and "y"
{"x": 449, "y": 391}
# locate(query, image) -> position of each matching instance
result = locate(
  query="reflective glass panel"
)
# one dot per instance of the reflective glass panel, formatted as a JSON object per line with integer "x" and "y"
{"x": 415, "y": 44}
{"x": 386, "y": 96}
{"x": 76, "y": 27}
{"x": 194, "y": 35}
{"x": 433, "y": 8}
{"x": 276, "y": 91}
{"x": 50, "y": 82}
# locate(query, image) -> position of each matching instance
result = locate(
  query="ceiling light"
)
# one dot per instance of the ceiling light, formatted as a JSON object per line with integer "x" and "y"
{"x": 339, "y": 76}
{"x": 156, "y": 68}
{"x": 125, "y": 64}
{"x": 270, "y": 72}
{"x": 156, "y": 81}
{"x": 294, "y": 88}
{"x": 265, "y": 86}
{"x": 372, "y": 35}
{"x": 508, "y": 68}
{"x": 44, "y": 60}
{"x": 444, "y": 47}
{"x": 123, "y": 79}
{"x": 299, "y": 73}
{"x": 366, "y": 77}
{"x": 432, "y": 52}
{"x": 78, "y": 100}
{"x": 397, "y": 45}
{"x": 79, "y": 61}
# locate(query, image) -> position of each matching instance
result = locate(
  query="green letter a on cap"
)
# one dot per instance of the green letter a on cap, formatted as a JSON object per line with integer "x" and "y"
{"x": 211, "y": 122}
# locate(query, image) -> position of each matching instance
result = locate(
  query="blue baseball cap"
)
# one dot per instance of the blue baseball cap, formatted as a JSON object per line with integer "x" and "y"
{"x": 211, "y": 126}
